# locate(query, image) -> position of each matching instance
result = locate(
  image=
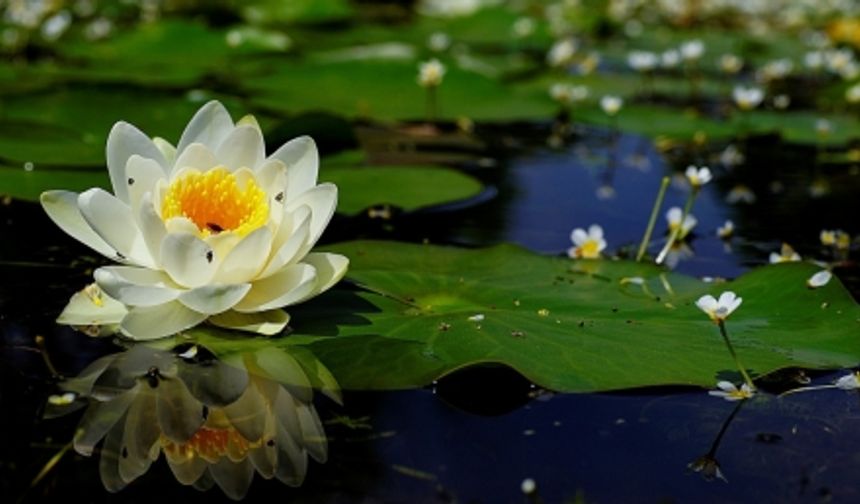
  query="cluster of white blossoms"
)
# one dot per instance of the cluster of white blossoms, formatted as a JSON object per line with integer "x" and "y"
{"x": 210, "y": 229}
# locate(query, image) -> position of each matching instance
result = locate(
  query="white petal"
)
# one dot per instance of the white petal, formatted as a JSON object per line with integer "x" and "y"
{"x": 143, "y": 175}
{"x": 707, "y": 303}
{"x": 166, "y": 148}
{"x": 673, "y": 215}
{"x": 151, "y": 322}
{"x": 578, "y": 236}
{"x": 727, "y": 298}
{"x": 330, "y": 270}
{"x": 595, "y": 232}
{"x": 287, "y": 287}
{"x": 267, "y": 323}
{"x": 188, "y": 260}
{"x": 322, "y": 201}
{"x": 136, "y": 286}
{"x": 151, "y": 227}
{"x": 124, "y": 141}
{"x": 181, "y": 225}
{"x": 726, "y": 386}
{"x": 209, "y": 126}
{"x": 246, "y": 259}
{"x": 196, "y": 156}
{"x": 272, "y": 177}
{"x": 112, "y": 219}
{"x": 288, "y": 253}
{"x": 212, "y": 299}
{"x": 819, "y": 279}
{"x": 242, "y": 148}
{"x": 82, "y": 311}
{"x": 302, "y": 160}
{"x": 62, "y": 208}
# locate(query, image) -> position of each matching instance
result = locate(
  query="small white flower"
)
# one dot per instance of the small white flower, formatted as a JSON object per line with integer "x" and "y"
{"x": 528, "y": 486}
{"x": 747, "y": 98}
{"x": 729, "y": 392}
{"x": 777, "y": 69}
{"x": 698, "y": 176}
{"x": 719, "y": 310}
{"x": 568, "y": 94}
{"x": 731, "y": 156}
{"x": 823, "y": 127}
{"x": 523, "y": 27}
{"x": 819, "y": 279}
{"x": 611, "y": 104}
{"x": 670, "y": 58}
{"x": 478, "y": 317}
{"x": 814, "y": 60}
{"x": 439, "y": 41}
{"x": 781, "y": 101}
{"x": 731, "y": 64}
{"x": 726, "y": 230}
{"x": 55, "y": 26}
{"x": 852, "y": 94}
{"x": 587, "y": 245}
{"x": 430, "y": 73}
{"x": 692, "y": 50}
{"x": 849, "y": 382}
{"x": 835, "y": 238}
{"x": 673, "y": 217}
{"x": 740, "y": 194}
{"x": 786, "y": 254}
{"x": 642, "y": 61}
{"x": 562, "y": 53}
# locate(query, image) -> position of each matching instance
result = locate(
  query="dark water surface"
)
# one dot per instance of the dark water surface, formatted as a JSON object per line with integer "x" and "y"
{"x": 476, "y": 435}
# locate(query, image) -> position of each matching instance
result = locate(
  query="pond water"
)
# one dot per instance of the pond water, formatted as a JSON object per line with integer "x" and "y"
{"x": 476, "y": 435}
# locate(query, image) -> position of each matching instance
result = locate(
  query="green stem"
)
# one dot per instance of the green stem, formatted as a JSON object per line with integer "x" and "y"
{"x": 743, "y": 371}
{"x": 673, "y": 236}
{"x": 661, "y": 194}
{"x": 431, "y": 104}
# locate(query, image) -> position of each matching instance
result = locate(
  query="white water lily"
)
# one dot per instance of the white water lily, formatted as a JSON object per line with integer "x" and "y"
{"x": 692, "y": 50}
{"x": 698, "y": 176}
{"x": 567, "y": 94}
{"x": 587, "y": 245}
{"x": 210, "y": 229}
{"x": 719, "y": 310}
{"x": 852, "y": 94}
{"x": 728, "y": 391}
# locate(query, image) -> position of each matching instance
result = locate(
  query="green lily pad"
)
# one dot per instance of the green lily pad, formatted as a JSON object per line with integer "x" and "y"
{"x": 566, "y": 325}
{"x": 384, "y": 89}
{"x": 406, "y": 187}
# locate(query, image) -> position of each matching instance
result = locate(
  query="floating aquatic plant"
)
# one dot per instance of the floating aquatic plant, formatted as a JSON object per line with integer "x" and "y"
{"x": 209, "y": 229}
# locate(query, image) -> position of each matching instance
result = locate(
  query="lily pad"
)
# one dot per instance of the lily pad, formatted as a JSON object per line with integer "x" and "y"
{"x": 406, "y": 187}
{"x": 28, "y": 185}
{"x": 384, "y": 89}
{"x": 566, "y": 325}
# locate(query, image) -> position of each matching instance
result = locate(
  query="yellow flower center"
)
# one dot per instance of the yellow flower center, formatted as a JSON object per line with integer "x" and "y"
{"x": 590, "y": 249}
{"x": 215, "y": 202}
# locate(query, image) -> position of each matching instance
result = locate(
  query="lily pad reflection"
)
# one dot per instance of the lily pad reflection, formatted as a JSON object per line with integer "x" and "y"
{"x": 215, "y": 423}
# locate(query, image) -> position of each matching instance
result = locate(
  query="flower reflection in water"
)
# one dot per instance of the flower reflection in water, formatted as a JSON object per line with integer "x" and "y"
{"x": 216, "y": 423}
